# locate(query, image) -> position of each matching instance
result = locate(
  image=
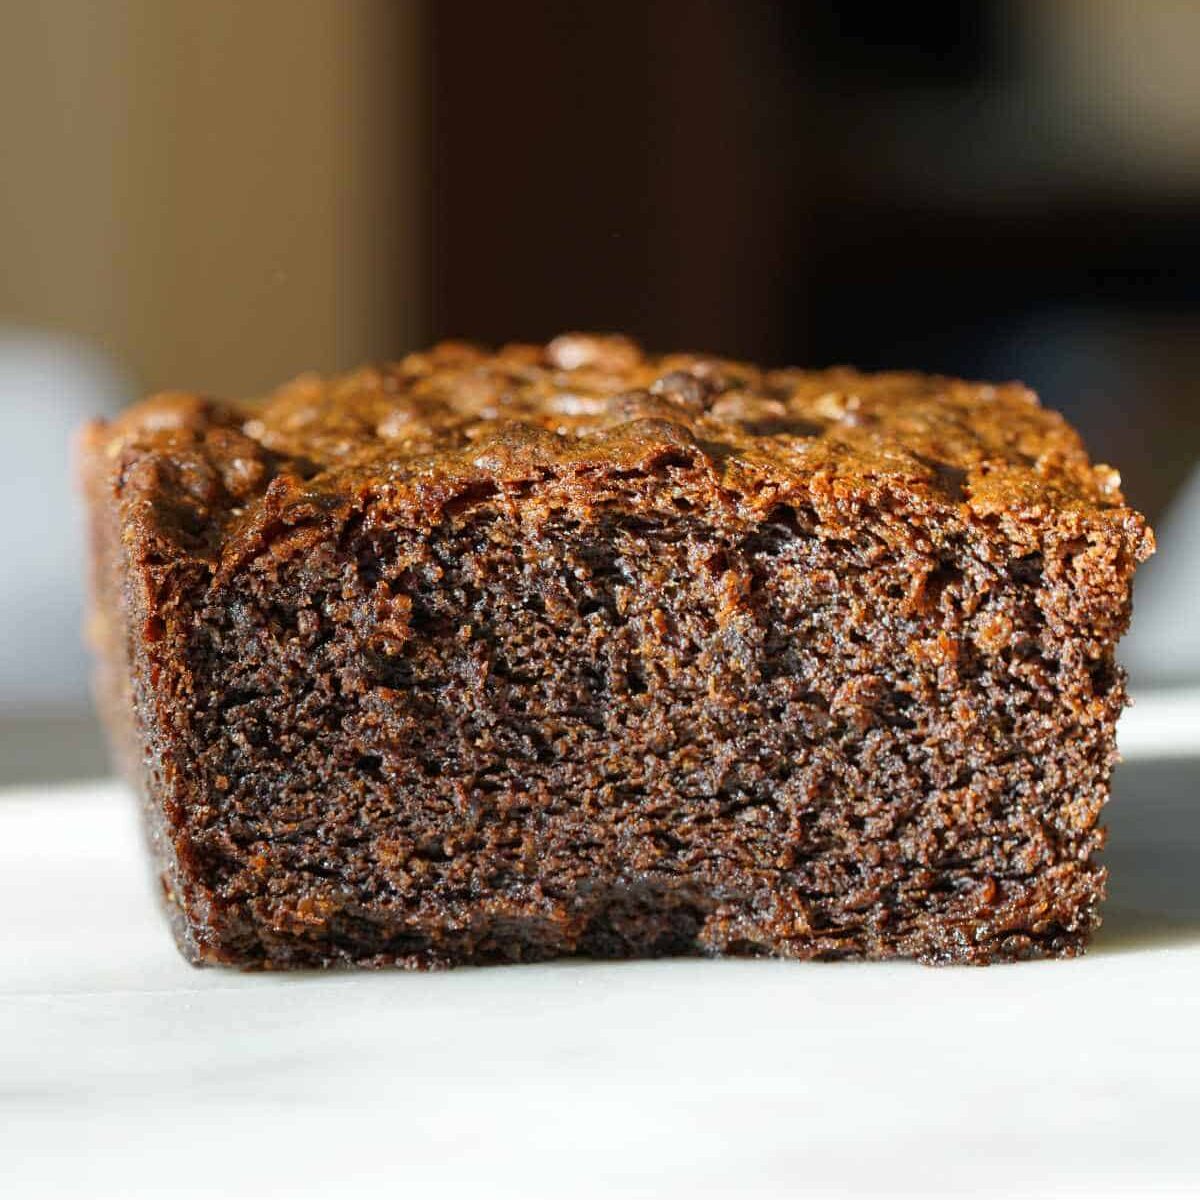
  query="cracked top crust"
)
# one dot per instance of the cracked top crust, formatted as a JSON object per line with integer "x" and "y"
{"x": 585, "y": 409}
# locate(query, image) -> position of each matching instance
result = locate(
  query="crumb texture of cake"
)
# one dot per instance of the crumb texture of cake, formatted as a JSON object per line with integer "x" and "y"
{"x": 569, "y": 649}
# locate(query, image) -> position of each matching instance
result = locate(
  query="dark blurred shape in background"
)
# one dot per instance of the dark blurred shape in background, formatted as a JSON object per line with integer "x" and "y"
{"x": 990, "y": 189}
{"x": 217, "y": 195}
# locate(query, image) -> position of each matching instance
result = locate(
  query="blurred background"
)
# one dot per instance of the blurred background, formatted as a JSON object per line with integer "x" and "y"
{"x": 217, "y": 196}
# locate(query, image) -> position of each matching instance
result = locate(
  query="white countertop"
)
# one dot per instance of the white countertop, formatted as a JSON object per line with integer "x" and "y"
{"x": 124, "y": 1072}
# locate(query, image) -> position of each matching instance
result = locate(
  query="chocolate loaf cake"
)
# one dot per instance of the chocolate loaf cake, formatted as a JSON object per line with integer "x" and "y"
{"x": 571, "y": 650}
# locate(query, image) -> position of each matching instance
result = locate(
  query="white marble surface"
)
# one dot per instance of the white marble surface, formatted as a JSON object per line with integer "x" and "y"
{"x": 123, "y": 1072}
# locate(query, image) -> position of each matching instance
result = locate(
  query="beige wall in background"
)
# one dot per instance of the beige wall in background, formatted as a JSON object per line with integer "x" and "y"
{"x": 1122, "y": 77}
{"x": 217, "y": 193}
